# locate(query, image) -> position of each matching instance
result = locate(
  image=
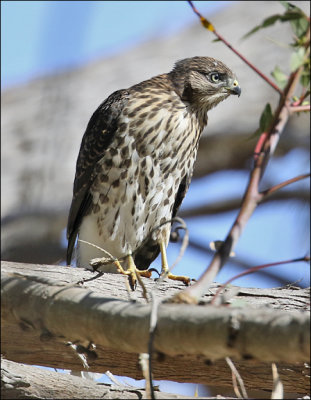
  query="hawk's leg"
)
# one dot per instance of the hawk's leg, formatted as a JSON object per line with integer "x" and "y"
{"x": 132, "y": 271}
{"x": 165, "y": 269}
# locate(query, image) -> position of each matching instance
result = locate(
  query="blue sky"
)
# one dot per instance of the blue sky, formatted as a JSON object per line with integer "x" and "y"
{"x": 39, "y": 37}
{"x": 42, "y": 37}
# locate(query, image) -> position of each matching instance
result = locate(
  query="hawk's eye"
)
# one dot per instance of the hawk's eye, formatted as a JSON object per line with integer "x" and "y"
{"x": 215, "y": 77}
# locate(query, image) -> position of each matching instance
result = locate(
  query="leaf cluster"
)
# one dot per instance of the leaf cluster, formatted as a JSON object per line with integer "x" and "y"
{"x": 297, "y": 18}
{"x": 299, "y": 22}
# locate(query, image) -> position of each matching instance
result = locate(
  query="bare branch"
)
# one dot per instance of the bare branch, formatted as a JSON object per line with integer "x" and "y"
{"x": 304, "y": 108}
{"x": 273, "y": 189}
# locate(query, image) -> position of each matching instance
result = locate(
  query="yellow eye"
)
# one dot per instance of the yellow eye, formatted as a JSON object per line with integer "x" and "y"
{"x": 215, "y": 77}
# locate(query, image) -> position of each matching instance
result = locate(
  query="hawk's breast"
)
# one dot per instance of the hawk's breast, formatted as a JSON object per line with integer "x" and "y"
{"x": 139, "y": 175}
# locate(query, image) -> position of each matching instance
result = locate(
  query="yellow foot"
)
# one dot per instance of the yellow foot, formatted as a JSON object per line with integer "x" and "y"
{"x": 181, "y": 278}
{"x": 132, "y": 272}
{"x": 165, "y": 273}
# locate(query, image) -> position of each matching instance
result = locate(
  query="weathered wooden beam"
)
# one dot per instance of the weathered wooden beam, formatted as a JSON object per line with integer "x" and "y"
{"x": 42, "y": 311}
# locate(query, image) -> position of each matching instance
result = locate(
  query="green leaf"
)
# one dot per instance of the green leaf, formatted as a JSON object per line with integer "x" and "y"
{"x": 270, "y": 20}
{"x": 265, "y": 118}
{"x": 285, "y": 4}
{"x": 267, "y": 22}
{"x": 297, "y": 18}
{"x": 300, "y": 26}
{"x": 280, "y": 77}
{"x": 291, "y": 7}
{"x": 297, "y": 59}
{"x": 265, "y": 121}
{"x": 305, "y": 79}
{"x": 291, "y": 15}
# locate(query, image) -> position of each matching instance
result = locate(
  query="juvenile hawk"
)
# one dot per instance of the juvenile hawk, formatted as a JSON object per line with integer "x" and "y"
{"x": 136, "y": 161}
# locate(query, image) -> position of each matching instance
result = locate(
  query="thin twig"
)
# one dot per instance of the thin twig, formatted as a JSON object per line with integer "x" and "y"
{"x": 152, "y": 328}
{"x": 184, "y": 244}
{"x": 255, "y": 269}
{"x": 273, "y": 189}
{"x": 79, "y": 355}
{"x": 110, "y": 259}
{"x": 237, "y": 376}
{"x": 305, "y": 93}
{"x": 294, "y": 109}
{"x": 114, "y": 379}
{"x": 145, "y": 292}
{"x": 144, "y": 364}
{"x": 277, "y": 391}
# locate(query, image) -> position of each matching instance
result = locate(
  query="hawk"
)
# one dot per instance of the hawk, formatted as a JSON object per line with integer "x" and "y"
{"x": 136, "y": 162}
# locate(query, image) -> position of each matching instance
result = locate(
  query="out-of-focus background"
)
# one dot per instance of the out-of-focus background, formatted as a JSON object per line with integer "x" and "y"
{"x": 61, "y": 59}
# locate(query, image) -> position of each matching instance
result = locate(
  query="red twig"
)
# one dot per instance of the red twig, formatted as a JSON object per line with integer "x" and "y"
{"x": 259, "y": 145}
{"x": 305, "y": 93}
{"x": 208, "y": 25}
{"x": 255, "y": 269}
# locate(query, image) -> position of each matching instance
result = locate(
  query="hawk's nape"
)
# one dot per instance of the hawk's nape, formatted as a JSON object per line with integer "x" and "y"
{"x": 135, "y": 165}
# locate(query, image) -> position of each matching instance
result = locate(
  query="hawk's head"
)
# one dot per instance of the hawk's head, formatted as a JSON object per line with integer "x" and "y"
{"x": 204, "y": 81}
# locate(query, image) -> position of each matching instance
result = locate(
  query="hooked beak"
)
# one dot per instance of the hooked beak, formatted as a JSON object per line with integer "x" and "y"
{"x": 234, "y": 88}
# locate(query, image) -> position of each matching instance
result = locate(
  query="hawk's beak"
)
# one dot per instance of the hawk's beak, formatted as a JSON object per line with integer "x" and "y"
{"x": 234, "y": 87}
